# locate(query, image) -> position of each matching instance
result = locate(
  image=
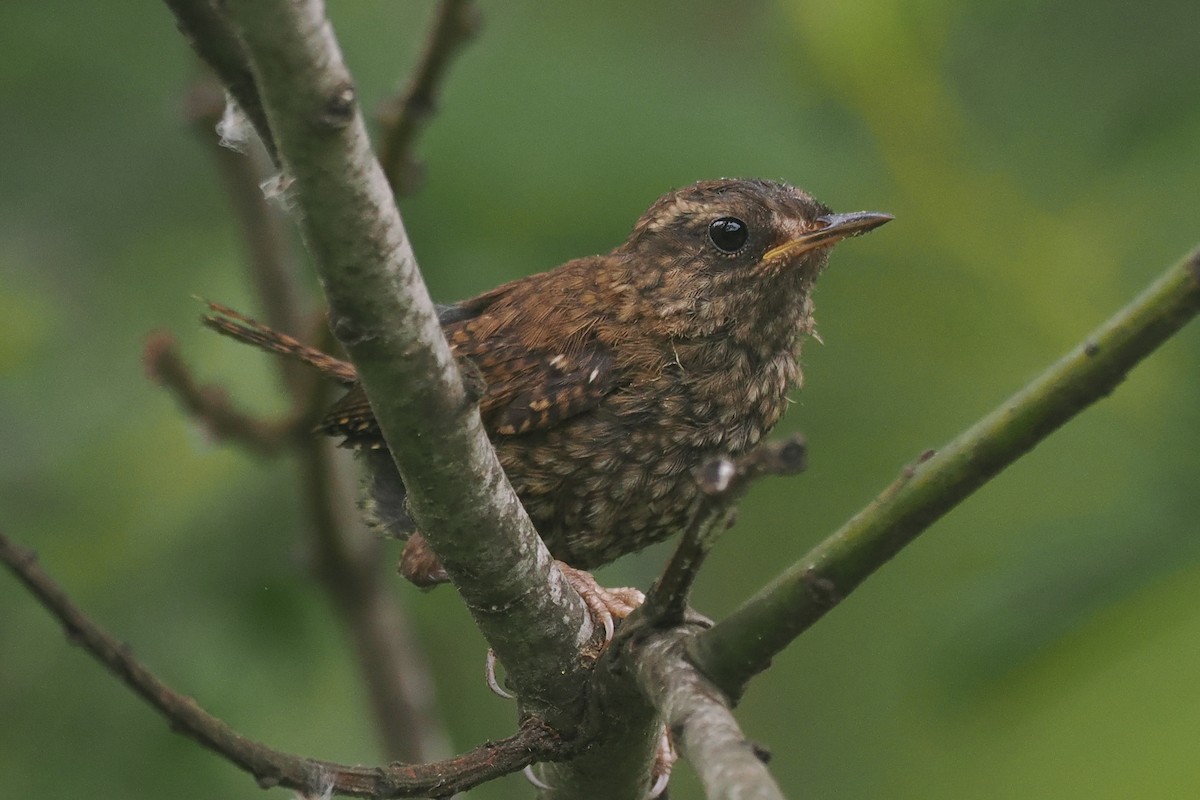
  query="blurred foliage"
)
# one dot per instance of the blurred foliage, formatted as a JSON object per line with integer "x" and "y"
{"x": 1041, "y": 159}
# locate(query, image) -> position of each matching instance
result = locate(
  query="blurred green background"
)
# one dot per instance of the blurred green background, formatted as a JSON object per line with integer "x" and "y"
{"x": 1042, "y": 160}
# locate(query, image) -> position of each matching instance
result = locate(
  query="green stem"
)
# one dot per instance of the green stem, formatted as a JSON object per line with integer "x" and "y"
{"x": 742, "y": 645}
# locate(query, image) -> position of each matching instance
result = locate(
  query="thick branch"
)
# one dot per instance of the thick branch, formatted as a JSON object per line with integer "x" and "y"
{"x": 534, "y": 742}
{"x": 403, "y": 118}
{"x": 381, "y": 312}
{"x": 622, "y": 729}
{"x": 700, "y": 721}
{"x": 348, "y": 562}
{"x": 742, "y": 645}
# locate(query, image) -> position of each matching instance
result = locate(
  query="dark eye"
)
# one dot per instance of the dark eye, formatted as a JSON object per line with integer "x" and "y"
{"x": 728, "y": 234}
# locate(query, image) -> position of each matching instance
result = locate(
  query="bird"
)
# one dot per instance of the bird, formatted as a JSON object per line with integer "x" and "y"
{"x": 609, "y": 380}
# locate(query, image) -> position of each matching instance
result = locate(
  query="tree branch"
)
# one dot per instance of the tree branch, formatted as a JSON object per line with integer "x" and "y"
{"x": 534, "y": 741}
{"x": 270, "y": 262}
{"x": 214, "y": 41}
{"x": 700, "y": 721}
{"x": 381, "y": 312}
{"x": 743, "y": 645}
{"x": 351, "y": 566}
{"x": 346, "y": 560}
{"x": 210, "y": 404}
{"x": 404, "y": 118}
{"x": 723, "y": 481}
{"x": 622, "y": 729}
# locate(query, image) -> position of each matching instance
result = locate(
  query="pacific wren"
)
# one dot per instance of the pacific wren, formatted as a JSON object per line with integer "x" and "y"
{"x": 610, "y": 379}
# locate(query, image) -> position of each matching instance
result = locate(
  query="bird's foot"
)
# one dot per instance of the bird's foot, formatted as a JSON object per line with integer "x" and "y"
{"x": 608, "y": 606}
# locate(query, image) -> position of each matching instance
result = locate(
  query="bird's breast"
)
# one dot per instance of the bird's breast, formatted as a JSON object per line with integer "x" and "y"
{"x": 709, "y": 395}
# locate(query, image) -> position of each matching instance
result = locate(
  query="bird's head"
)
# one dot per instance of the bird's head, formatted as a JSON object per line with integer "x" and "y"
{"x": 735, "y": 254}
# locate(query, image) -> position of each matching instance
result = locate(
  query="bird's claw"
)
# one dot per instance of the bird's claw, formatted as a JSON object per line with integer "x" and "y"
{"x": 660, "y": 774}
{"x": 607, "y": 606}
{"x": 664, "y": 761}
{"x": 489, "y": 671}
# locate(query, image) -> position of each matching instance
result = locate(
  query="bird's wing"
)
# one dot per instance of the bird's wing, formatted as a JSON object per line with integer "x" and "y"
{"x": 533, "y": 389}
{"x": 351, "y": 418}
{"x": 542, "y": 364}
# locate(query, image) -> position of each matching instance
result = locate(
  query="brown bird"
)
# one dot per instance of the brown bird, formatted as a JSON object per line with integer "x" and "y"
{"x": 611, "y": 378}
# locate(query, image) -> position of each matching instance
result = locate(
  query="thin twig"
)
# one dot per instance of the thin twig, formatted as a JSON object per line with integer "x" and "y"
{"x": 723, "y": 481}
{"x": 210, "y": 404}
{"x": 533, "y": 742}
{"x": 743, "y": 645}
{"x": 270, "y": 260}
{"x": 352, "y": 567}
{"x": 404, "y": 117}
{"x": 210, "y": 35}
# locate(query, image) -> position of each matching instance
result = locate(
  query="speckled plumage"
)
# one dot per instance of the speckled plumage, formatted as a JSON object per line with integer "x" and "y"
{"x": 611, "y": 378}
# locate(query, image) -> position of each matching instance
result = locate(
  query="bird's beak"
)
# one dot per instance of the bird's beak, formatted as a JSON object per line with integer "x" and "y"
{"x": 832, "y": 229}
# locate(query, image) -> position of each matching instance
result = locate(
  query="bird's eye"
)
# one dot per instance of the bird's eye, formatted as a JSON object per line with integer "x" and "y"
{"x": 728, "y": 234}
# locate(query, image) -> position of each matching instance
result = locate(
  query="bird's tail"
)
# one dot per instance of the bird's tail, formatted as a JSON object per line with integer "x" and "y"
{"x": 230, "y": 323}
